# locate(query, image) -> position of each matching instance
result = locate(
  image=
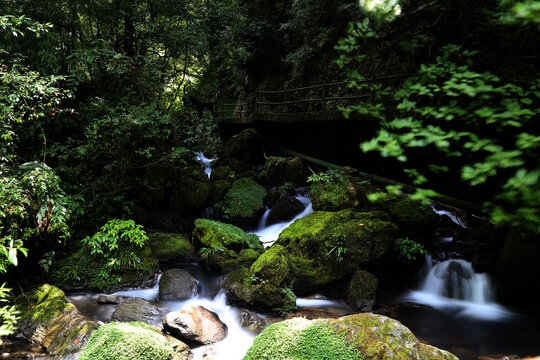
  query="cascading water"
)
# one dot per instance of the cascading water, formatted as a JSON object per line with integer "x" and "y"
{"x": 453, "y": 285}
{"x": 205, "y": 162}
{"x": 269, "y": 234}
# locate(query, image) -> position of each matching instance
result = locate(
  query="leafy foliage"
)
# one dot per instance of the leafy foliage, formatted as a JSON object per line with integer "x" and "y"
{"x": 409, "y": 249}
{"x": 114, "y": 244}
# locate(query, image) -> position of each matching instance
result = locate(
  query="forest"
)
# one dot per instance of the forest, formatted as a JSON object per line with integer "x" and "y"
{"x": 292, "y": 173}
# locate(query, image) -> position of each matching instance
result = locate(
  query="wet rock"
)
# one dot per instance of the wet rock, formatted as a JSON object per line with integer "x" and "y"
{"x": 225, "y": 247}
{"x": 134, "y": 340}
{"x": 414, "y": 219}
{"x": 177, "y": 284}
{"x": 172, "y": 248}
{"x": 191, "y": 196}
{"x": 222, "y": 173}
{"x": 285, "y": 209}
{"x": 110, "y": 299}
{"x": 195, "y": 325}
{"x": 279, "y": 170}
{"x": 361, "y": 291}
{"x": 251, "y": 321}
{"x": 342, "y": 192}
{"x": 246, "y": 147}
{"x": 136, "y": 309}
{"x": 243, "y": 202}
{"x": 48, "y": 319}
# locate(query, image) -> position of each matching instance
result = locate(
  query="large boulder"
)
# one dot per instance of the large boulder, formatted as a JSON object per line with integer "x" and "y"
{"x": 225, "y": 247}
{"x": 414, "y": 219}
{"x": 191, "y": 196}
{"x": 243, "y": 202}
{"x": 246, "y": 147}
{"x": 378, "y": 337}
{"x": 195, "y": 325}
{"x": 285, "y": 209}
{"x": 361, "y": 290}
{"x": 48, "y": 319}
{"x": 325, "y": 246}
{"x": 135, "y": 340}
{"x": 177, "y": 284}
{"x": 341, "y": 192}
{"x": 266, "y": 286}
{"x": 279, "y": 170}
{"x": 136, "y": 309}
{"x": 172, "y": 248}
{"x": 251, "y": 321}
{"x": 361, "y": 336}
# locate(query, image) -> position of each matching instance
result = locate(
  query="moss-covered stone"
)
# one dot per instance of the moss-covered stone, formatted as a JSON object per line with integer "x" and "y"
{"x": 195, "y": 172}
{"x": 342, "y": 192}
{"x": 222, "y": 173}
{"x": 279, "y": 170}
{"x": 360, "y": 294}
{"x": 274, "y": 266}
{"x": 133, "y": 341}
{"x": 285, "y": 209}
{"x": 219, "y": 189}
{"x": 299, "y": 338}
{"x": 171, "y": 247}
{"x": 191, "y": 196}
{"x": 325, "y": 246}
{"x": 413, "y": 218}
{"x": 246, "y": 147}
{"x": 378, "y": 337}
{"x": 243, "y": 202}
{"x": 48, "y": 319}
{"x": 81, "y": 271}
{"x": 224, "y": 246}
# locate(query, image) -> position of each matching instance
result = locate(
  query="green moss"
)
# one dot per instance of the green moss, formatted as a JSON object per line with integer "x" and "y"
{"x": 168, "y": 246}
{"x": 222, "y": 173}
{"x": 219, "y": 189}
{"x": 412, "y": 217}
{"x": 212, "y": 233}
{"x": 81, "y": 271}
{"x": 363, "y": 285}
{"x": 191, "y": 195}
{"x": 127, "y": 341}
{"x": 300, "y": 339}
{"x": 41, "y": 304}
{"x": 195, "y": 172}
{"x": 243, "y": 201}
{"x": 274, "y": 266}
{"x": 342, "y": 192}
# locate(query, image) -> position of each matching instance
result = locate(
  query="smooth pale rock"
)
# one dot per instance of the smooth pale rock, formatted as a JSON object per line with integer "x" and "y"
{"x": 110, "y": 299}
{"x": 195, "y": 325}
{"x": 136, "y": 309}
{"x": 177, "y": 284}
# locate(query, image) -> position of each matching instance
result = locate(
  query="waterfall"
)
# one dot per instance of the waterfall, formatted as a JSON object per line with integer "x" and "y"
{"x": 453, "y": 285}
{"x": 205, "y": 162}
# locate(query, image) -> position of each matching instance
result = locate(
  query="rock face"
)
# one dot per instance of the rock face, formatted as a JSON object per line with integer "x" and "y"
{"x": 361, "y": 336}
{"x": 360, "y": 294}
{"x": 243, "y": 202}
{"x": 172, "y": 248}
{"x": 136, "y": 309}
{"x": 225, "y": 247}
{"x": 135, "y": 340}
{"x": 48, "y": 319}
{"x": 177, "y": 284}
{"x": 285, "y": 209}
{"x": 195, "y": 325}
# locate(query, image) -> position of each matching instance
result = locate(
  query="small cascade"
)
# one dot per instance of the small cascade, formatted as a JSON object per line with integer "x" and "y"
{"x": 211, "y": 213}
{"x": 454, "y": 285}
{"x": 205, "y": 162}
{"x": 453, "y": 215}
{"x": 269, "y": 234}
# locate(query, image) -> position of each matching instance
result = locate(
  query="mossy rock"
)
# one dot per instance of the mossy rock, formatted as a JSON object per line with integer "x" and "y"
{"x": 224, "y": 246}
{"x": 360, "y": 293}
{"x": 243, "y": 202}
{"x": 279, "y": 170}
{"x": 342, "y": 192}
{"x": 81, "y": 271}
{"x": 219, "y": 189}
{"x": 325, "y": 246}
{"x": 246, "y": 290}
{"x": 194, "y": 172}
{"x": 49, "y": 320}
{"x": 246, "y": 147}
{"x": 171, "y": 247}
{"x": 413, "y": 218}
{"x": 285, "y": 209}
{"x": 299, "y": 338}
{"x": 274, "y": 266}
{"x": 191, "y": 196}
{"x": 133, "y": 341}
{"x": 378, "y": 337}
{"x": 222, "y": 173}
